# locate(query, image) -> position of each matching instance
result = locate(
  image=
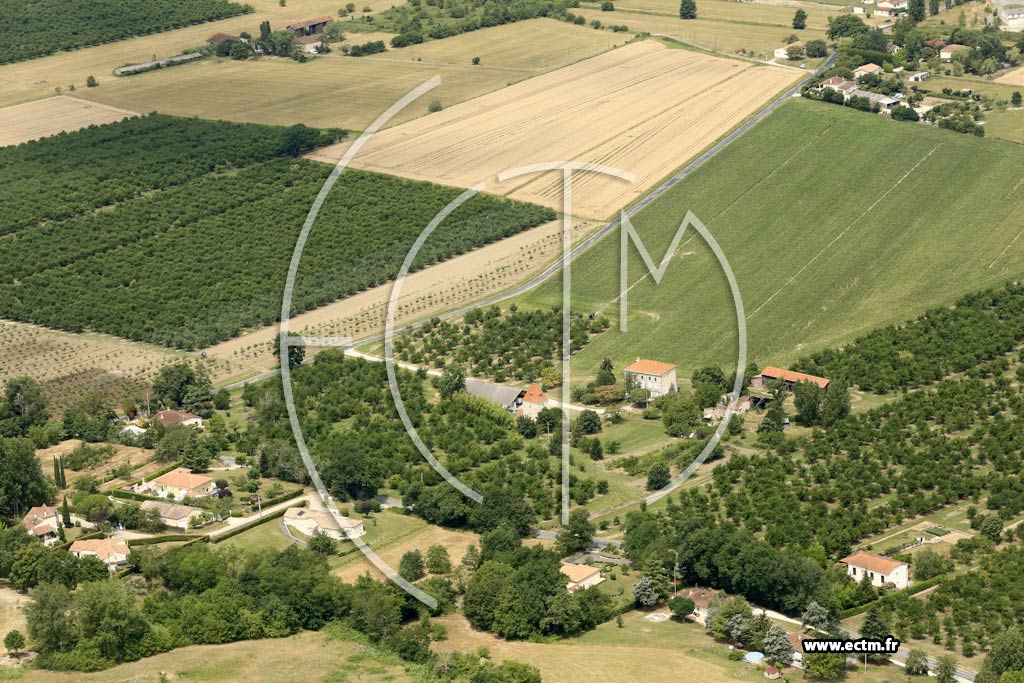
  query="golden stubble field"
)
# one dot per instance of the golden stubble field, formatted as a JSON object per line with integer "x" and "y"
{"x": 644, "y": 108}
{"x": 31, "y": 120}
{"x": 338, "y": 91}
{"x": 36, "y": 78}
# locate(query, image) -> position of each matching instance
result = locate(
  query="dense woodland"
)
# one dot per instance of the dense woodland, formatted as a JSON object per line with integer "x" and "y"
{"x": 33, "y": 28}
{"x": 206, "y": 258}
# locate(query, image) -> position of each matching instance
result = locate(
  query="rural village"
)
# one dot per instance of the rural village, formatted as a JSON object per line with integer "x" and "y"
{"x": 439, "y": 341}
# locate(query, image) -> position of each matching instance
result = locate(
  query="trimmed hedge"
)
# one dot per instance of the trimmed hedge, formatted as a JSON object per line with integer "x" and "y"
{"x": 253, "y": 524}
{"x": 912, "y": 590}
{"x": 280, "y": 499}
{"x": 166, "y": 538}
{"x": 131, "y": 495}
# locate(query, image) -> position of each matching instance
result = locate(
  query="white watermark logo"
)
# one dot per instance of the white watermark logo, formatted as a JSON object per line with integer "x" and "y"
{"x": 569, "y": 252}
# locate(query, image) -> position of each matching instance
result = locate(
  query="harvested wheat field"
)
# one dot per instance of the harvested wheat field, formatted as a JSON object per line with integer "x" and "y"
{"x": 1015, "y": 77}
{"x": 32, "y": 120}
{"x": 444, "y": 286}
{"x": 643, "y": 108}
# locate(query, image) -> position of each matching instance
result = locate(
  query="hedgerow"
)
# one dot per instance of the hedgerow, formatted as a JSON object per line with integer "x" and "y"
{"x": 33, "y": 28}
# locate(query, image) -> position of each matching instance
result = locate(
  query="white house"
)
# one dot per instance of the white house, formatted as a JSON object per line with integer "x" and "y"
{"x": 42, "y": 522}
{"x": 310, "y": 521}
{"x": 783, "y": 52}
{"x": 859, "y": 10}
{"x": 867, "y": 70}
{"x": 881, "y": 571}
{"x": 657, "y": 377}
{"x": 309, "y": 44}
{"x": 172, "y": 514}
{"x": 169, "y": 418}
{"x": 947, "y": 53}
{"x": 919, "y": 76}
{"x": 580, "y": 576}
{"x": 534, "y": 401}
{"x": 181, "y": 483}
{"x": 111, "y": 551}
{"x": 796, "y": 640}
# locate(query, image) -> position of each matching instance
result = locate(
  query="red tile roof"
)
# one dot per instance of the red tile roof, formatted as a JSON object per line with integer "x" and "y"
{"x": 534, "y": 394}
{"x": 772, "y": 372}
{"x": 872, "y": 562}
{"x": 650, "y": 367}
{"x": 104, "y": 548}
{"x": 183, "y": 478}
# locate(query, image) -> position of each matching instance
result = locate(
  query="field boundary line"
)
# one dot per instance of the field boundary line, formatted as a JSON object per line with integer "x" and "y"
{"x": 845, "y": 230}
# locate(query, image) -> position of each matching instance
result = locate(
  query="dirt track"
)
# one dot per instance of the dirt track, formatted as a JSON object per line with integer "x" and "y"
{"x": 643, "y": 108}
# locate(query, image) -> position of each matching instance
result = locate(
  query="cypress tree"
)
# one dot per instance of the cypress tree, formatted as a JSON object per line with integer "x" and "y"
{"x": 688, "y": 9}
{"x": 65, "y": 513}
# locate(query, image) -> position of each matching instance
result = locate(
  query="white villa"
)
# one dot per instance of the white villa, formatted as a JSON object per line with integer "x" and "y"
{"x": 880, "y": 570}
{"x": 657, "y": 377}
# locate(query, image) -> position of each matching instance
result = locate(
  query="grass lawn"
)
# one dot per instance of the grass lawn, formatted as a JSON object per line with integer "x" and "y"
{"x": 267, "y": 536}
{"x": 984, "y": 86}
{"x": 817, "y": 263}
{"x": 302, "y": 658}
{"x": 1005, "y": 125}
{"x": 639, "y": 652}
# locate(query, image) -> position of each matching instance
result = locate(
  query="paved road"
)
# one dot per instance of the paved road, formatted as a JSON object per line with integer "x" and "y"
{"x": 604, "y": 231}
{"x": 596, "y": 545}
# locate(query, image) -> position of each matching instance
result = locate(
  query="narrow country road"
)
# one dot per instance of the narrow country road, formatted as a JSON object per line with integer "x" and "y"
{"x": 593, "y": 239}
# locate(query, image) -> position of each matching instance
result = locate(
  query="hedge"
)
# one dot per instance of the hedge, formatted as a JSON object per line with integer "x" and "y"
{"x": 910, "y": 591}
{"x": 131, "y": 495}
{"x": 280, "y": 499}
{"x": 253, "y": 524}
{"x": 166, "y": 538}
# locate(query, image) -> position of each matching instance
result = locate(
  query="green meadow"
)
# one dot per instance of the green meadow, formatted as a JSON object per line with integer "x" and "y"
{"x": 834, "y": 222}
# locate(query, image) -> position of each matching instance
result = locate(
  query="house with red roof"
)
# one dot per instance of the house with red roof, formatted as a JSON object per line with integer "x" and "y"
{"x": 657, "y": 377}
{"x": 534, "y": 401}
{"x": 791, "y": 378}
{"x": 42, "y": 522}
{"x": 310, "y": 26}
{"x": 880, "y": 571}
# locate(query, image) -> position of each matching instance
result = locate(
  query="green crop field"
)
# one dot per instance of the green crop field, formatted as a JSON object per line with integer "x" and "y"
{"x": 835, "y": 222}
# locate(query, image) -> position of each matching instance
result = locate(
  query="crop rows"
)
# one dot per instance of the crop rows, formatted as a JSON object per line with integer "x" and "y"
{"x": 33, "y": 28}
